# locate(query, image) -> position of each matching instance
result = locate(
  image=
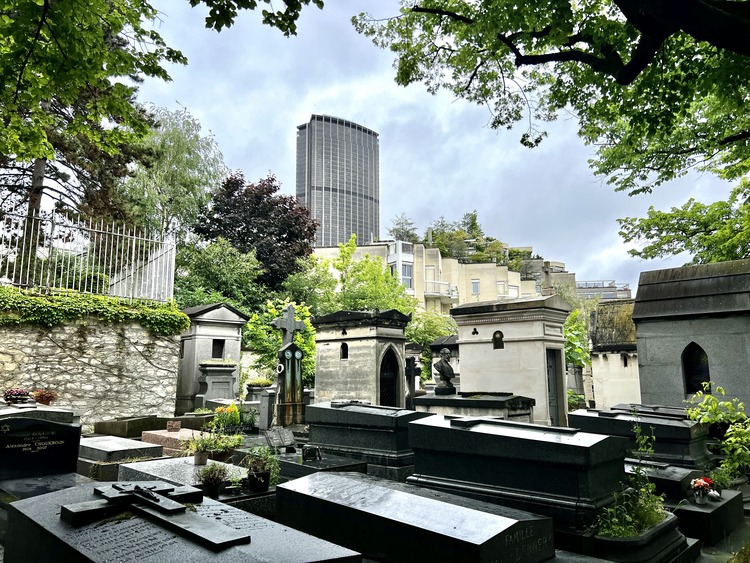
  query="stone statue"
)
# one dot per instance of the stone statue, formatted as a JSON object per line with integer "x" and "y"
{"x": 444, "y": 369}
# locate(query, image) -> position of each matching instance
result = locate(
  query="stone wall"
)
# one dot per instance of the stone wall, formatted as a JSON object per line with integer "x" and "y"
{"x": 100, "y": 370}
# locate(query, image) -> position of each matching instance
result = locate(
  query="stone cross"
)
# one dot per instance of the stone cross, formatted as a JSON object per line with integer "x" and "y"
{"x": 160, "y": 503}
{"x": 287, "y": 325}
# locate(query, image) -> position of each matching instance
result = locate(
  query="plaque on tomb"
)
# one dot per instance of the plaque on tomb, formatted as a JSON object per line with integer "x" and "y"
{"x": 280, "y": 438}
{"x": 389, "y": 521}
{"x": 120, "y": 522}
{"x": 33, "y": 447}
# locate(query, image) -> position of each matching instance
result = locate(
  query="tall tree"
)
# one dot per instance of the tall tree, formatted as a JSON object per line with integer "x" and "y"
{"x": 659, "y": 86}
{"x": 254, "y": 217}
{"x": 168, "y": 192}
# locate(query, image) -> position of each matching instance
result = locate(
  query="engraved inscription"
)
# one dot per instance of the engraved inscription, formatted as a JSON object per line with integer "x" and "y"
{"x": 34, "y": 441}
{"x": 122, "y": 540}
{"x": 525, "y": 544}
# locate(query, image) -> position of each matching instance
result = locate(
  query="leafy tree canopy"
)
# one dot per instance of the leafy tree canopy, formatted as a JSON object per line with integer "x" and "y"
{"x": 314, "y": 285}
{"x": 52, "y": 52}
{"x": 465, "y": 240}
{"x": 659, "y": 86}
{"x": 167, "y": 193}
{"x": 254, "y": 217}
{"x": 710, "y": 233}
{"x": 217, "y": 273}
{"x": 367, "y": 284}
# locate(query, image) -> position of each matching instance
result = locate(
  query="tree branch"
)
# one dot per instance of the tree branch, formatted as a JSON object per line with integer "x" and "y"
{"x": 35, "y": 39}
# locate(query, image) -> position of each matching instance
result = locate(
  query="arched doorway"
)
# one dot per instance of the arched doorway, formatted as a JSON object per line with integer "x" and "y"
{"x": 695, "y": 370}
{"x": 389, "y": 379}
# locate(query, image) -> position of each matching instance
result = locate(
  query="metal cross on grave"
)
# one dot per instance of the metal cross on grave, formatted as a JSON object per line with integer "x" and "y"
{"x": 287, "y": 325}
{"x": 161, "y": 503}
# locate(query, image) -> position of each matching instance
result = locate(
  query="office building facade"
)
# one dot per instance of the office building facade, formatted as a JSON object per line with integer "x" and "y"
{"x": 338, "y": 179}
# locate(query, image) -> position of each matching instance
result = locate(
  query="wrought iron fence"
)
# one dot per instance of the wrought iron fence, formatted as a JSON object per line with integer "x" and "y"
{"x": 53, "y": 253}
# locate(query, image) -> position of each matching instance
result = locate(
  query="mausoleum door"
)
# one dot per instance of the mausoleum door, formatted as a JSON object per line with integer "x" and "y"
{"x": 388, "y": 380}
{"x": 552, "y": 387}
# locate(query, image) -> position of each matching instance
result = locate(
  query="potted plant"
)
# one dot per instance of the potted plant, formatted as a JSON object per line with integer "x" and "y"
{"x": 213, "y": 477}
{"x": 210, "y": 444}
{"x": 44, "y": 396}
{"x": 18, "y": 395}
{"x": 263, "y": 469}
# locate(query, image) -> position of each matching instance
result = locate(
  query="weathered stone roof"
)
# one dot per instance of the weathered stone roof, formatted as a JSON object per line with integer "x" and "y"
{"x": 720, "y": 288}
{"x": 198, "y": 310}
{"x": 613, "y": 328}
{"x": 351, "y": 318}
{"x": 548, "y": 302}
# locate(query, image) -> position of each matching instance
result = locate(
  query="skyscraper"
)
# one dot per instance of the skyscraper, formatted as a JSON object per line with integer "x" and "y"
{"x": 338, "y": 179}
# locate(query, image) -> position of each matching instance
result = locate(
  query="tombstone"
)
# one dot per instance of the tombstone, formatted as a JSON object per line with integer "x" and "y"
{"x": 134, "y": 426}
{"x": 677, "y": 440}
{"x": 497, "y": 405}
{"x": 215, "y": 333}
{"x": 557, "y": 472}
{"x": 375, "y": 434}
{"x": 217, "y": 380}
{"x": 289, "y": 407}
{"x": 692, "y": 326}
{"x": 99, "y": 456}
{"x": 360, "y": 356}
{"x": 516, "y": 347}
{"x": 36, "y": 456}
{"x": 149, "y": 522}
{"x": 33, "y": 447}
{"x": 389, "y": 521}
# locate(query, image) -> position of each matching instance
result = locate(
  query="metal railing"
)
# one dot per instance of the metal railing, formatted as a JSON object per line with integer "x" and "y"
{"x": 52, "y": 253}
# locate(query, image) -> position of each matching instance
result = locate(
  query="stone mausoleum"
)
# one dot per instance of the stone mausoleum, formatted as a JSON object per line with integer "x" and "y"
{"x": 693, "y": 326}
{"x": 516, "y": 346}
{"x": 210, "y": 348}
{"x": 360, "y": 356}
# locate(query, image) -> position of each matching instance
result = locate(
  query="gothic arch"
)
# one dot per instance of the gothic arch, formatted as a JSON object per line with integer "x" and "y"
{"x": 389, "y": 380}
{"x": 695, "y": 370}
{"x": 497, "y": 340}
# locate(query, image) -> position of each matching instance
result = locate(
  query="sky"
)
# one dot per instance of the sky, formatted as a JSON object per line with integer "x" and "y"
{"x": 251, "y": 87}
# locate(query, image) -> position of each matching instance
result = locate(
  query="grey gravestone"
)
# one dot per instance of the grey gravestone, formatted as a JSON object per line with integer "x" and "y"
{"x": 677, "y": 440}
{"x": 32, "y": 447}
{"x": 389, "y": 521}
{"x": 38, "y": 535}
{"x": 373, "y": 433}
{"x": 280, "y": 438}
{"x": 294, "y": 466}
{"x": 558, "y": 472}
{"x": 99, "y": 456}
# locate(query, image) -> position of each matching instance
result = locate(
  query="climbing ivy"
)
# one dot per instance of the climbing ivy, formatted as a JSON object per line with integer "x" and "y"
{"x": 24, "y": 307}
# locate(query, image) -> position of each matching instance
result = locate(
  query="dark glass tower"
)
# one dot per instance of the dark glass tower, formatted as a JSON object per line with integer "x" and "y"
{"x": 338, "y": 179}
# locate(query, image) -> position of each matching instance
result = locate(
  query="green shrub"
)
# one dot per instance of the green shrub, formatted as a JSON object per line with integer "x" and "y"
{"x": 25, "y": 307}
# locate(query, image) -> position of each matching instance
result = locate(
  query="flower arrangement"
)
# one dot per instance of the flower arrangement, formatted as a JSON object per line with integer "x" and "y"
{"x": 15, "y": 395}
{"x": 44, "y": 395}
{"x": 226, "y": 416}
{"x": 701, "y": 486}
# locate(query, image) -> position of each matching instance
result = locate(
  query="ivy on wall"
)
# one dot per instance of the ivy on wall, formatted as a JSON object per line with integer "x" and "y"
{"x": 24, "y": 307}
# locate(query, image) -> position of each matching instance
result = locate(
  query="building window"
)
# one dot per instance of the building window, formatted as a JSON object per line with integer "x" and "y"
{"x": 475, "y": 287}
{"x": 406, "y": 275}
{"x": 501, "y": 291}
{"x": 217, "y": 348}
{"x": 513, "y": 291}
{"x": 497, "y": 340}
{"x": 344, "y": 351}
{"x": 695, "y": 368}
{"x": 624, "y": 360}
